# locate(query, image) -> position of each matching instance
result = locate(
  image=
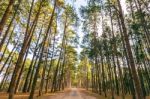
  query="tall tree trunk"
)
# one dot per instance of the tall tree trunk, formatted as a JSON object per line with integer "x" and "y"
{"x": 114, "y": 50}
{"x": 6, "y": 15}
{"x": 127, "y": 59}
{"x": 25, "y": 57}
{"x": 10, "y": 37}
{"x": 6, "y": 74}
{"x": 9, "y": 26}
{"x": 11, "y": 53}
{"x": 43, "y": 72}
{"x": 32, "y": 62}
{"x": 51, "y": 63}
{"x": 21, "y": 71}
{"x": 26, "y": 43}
{"x": 33, "y": 69}
{"x": 41, "y": 54}
{"x": 131, "y": 59}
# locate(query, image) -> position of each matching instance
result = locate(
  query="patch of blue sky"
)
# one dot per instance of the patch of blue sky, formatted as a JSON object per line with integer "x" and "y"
{"x": 77, "y": 4}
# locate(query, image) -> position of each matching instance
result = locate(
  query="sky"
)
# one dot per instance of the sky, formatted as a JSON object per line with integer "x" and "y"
{"x": 77, "y": 4}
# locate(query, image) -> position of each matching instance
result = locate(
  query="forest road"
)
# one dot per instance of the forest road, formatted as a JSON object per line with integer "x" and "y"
{"x": 74, "y": 93}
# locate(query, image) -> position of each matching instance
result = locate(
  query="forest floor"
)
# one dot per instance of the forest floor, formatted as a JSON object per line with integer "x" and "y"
{"x": 72, "y": 93}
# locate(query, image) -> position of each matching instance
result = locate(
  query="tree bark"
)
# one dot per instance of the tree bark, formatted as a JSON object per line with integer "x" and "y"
{"x": 6, "y": 15}
{"x": 131, "y": 59}
{"x": 41, "y": 54}
{"x": 9, "y": 26}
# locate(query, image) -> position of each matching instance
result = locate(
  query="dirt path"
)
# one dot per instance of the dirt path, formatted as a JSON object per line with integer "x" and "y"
{"x": 74, "y": 93}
